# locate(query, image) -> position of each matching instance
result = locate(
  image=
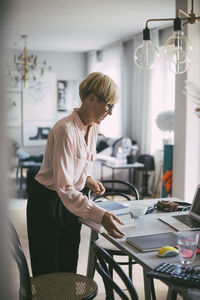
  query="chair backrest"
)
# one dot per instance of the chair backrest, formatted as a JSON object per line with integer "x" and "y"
{"x": 103, "y": 261}
{"x": 112, "y": 188}
{"x": 100, "y": 198}
{"x": 19, "y": 257}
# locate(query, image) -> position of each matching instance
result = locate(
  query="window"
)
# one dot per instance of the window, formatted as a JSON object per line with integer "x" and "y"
{"x": 162, "y": 99}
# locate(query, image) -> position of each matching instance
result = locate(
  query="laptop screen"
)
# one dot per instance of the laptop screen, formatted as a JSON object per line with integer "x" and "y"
{"x": 195, "y": 209}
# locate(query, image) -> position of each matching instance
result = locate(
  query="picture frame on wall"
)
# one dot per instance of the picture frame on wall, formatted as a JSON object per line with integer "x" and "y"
{"x": 35, "y": 133}
{"x": 67, "y": 95}
{"x": 13, "y": 108}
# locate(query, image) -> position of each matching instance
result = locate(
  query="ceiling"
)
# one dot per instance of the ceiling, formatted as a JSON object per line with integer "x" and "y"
{"x": 81, "y": 25}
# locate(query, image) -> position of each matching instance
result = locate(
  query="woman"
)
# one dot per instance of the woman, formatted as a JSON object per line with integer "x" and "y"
{"x": 55, "y": 200}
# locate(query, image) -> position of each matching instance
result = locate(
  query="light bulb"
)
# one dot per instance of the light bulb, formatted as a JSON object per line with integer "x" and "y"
{"x": 178, "y": 68}
{"x": 146, "y": 55}
{"x": 178, "y": 48}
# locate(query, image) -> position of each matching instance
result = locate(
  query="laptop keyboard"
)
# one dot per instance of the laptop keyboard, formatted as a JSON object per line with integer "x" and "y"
{"x": 187, "y": 220}
{"x": 174, "y": 223}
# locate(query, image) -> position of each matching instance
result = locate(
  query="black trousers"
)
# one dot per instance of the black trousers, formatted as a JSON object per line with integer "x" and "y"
{"x": 53, "y": 232}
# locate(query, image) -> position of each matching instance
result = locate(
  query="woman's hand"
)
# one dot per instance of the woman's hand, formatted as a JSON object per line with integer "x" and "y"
{"x": 110, "y": 226}
{"x": 95, "y": 186}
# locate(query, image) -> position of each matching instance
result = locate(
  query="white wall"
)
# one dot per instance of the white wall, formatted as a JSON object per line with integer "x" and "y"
{"x": 66, "y": 66}
{"x": 186, "y": 158}
{"x": 192, "y": 176}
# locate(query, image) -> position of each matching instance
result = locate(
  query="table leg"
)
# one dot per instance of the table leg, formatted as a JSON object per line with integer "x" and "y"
{"x": 147, "y": 285}
{"x": 91, "y": 255}
{"x": 101, "y": 171}
{"x": 17, "y": 174}
{"x": 113, "y": 178}
{"x": 113, "y": 174}
{"x": 130, "y": 175}
{"x": 171, "y": 295}
{"x": 21, "y": 178}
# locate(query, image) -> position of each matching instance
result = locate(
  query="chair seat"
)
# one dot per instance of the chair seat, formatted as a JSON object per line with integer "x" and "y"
{"x": 63, "y": 286}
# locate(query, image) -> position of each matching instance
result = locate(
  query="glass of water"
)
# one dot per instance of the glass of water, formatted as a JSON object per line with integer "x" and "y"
{"x": 187, "y": 242}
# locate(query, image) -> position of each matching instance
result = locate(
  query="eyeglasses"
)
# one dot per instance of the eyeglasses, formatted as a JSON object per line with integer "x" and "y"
{"x": 109, "y": 107}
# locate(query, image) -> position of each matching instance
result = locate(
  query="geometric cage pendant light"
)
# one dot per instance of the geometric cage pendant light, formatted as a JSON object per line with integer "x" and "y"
{"x": 177, "y": 48}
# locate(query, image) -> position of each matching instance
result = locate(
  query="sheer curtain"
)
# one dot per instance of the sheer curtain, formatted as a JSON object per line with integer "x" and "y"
{"x": 108, "y": 61}
{"x": 162, "y": 96}
{"x": 151, "y": 92}
{"x": 141, "y": 100}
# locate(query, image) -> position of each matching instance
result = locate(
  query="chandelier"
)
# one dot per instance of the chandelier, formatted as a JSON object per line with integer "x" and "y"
{"x": 26, "y": 67}
{"x": 177, "y": 48}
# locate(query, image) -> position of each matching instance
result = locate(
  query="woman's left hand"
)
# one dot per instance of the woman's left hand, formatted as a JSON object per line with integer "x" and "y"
{"x": 112, "y": 229}
{"x": 95, "y": 186}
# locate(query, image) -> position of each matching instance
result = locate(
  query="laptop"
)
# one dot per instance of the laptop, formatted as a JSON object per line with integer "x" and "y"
{"x": 187, "y": 221}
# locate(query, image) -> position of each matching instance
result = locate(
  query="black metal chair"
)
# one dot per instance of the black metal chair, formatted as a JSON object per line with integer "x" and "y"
{"x": 54, "y": 286}
{"x": 122, "y": 189}
{"x": 104, "y": 259}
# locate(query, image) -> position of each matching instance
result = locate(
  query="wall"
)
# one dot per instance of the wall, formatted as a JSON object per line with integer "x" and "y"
{"x": 65, "y": 66}
{"x": 192, "y": 177}
{"x": 186, "y": 158}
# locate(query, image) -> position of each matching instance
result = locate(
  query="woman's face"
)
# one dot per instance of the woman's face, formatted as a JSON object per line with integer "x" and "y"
{"x": 101, "y": 110}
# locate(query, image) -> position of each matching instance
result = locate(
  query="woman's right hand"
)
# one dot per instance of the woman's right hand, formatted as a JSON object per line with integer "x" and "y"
{"x": 112, "y": 229}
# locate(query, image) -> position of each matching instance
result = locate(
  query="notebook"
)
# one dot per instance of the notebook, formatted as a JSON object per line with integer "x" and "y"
{"x": 187, "y": 221}
{"x": 152, "y": 242}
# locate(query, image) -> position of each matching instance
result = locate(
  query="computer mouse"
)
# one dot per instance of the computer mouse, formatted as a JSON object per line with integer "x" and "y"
{"x": 167, "y": 251}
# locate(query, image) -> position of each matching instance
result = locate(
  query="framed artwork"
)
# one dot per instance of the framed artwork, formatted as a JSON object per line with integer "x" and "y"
{"x": 35, "y": 133}
{"x": 13, "y": 108}
{"x": 67, "y": 95}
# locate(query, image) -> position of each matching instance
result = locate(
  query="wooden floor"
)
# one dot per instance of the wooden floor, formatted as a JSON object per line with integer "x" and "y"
{"x": 17, "y": 213}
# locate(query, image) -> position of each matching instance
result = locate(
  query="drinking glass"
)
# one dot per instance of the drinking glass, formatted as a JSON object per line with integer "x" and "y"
{"x": 187, "y": 242}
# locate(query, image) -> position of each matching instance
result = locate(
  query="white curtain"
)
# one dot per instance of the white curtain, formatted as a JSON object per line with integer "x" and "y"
{"x": 139, "y": 128}
{"x": 162, "y": 99}
{"x": 108, "y": 61}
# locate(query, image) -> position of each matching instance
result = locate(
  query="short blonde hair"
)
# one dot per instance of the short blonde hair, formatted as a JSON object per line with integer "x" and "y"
{"x": 101, "y": 85}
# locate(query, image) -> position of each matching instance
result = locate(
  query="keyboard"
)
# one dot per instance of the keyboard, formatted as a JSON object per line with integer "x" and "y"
{"x": 169, "y": 220}
{"x": 178, "y": 275}
{"x": 187, "y": 220}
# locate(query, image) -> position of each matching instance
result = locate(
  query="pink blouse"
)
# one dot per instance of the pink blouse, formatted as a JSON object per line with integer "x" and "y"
{"x": 67, "y": 163}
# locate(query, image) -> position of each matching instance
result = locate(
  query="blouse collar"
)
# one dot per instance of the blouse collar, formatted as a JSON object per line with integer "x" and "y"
{"x": 78, "y": 120}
